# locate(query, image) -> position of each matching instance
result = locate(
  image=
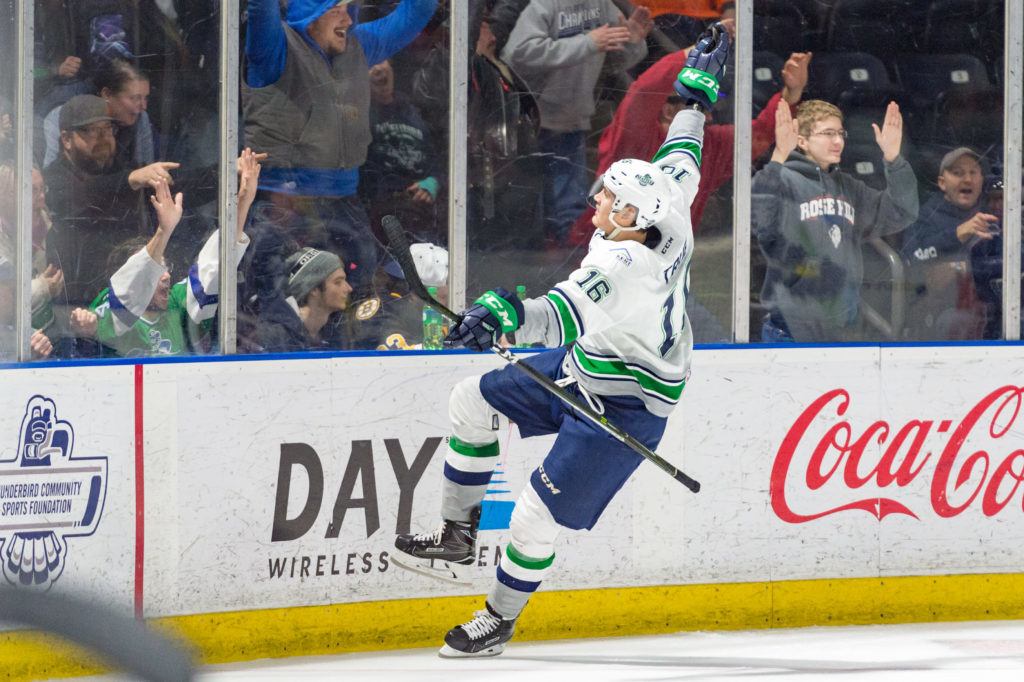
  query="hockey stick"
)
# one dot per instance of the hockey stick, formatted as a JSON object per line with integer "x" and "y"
{"x": 400, "y": 250}
{"x": 120, "y": 640}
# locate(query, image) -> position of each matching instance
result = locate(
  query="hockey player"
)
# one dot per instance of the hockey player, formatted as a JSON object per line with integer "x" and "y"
{"x": 624, "y": 346}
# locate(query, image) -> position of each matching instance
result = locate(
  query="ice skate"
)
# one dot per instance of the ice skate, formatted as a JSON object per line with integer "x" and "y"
{"x": 442, "y": 553}
{"x": 485, "y": 635}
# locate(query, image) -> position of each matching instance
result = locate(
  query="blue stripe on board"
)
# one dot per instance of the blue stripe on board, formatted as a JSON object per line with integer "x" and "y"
{"x": 321, "y": 355}
{"x": 496, "y": 514}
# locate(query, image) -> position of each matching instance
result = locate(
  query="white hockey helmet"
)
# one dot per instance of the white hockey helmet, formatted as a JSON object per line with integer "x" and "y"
{"x": 642, "y": 185}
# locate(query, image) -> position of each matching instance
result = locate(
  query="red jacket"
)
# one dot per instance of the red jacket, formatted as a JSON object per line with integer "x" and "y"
{"x": 635, "y": 133}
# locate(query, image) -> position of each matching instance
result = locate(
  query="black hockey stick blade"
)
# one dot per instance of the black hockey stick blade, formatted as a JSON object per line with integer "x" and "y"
{"x": 395, "y": 235}
{"x": 120, "y": 640}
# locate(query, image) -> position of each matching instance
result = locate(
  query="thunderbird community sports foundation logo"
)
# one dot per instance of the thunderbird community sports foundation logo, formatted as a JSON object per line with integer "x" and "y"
{"x": 46, "y": 496}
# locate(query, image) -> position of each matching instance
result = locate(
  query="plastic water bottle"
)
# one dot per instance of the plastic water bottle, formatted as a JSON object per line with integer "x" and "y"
{"x": 433, "y": 325}
{"x": 521, "y": 295}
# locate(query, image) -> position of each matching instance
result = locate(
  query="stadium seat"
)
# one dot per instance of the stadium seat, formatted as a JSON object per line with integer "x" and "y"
{"x": 974, "y": 26}
{"x": 767, "y": 78}
{"x": 868, "y": 26}
{"x": 850, "y": 79}
{"x": 930, "y": 80}
{"x": 781, "y": 27}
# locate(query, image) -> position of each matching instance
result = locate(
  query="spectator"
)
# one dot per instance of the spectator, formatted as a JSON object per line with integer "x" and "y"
{"x": 943, "y": 304}
{"x": 307, "y": 102}
{"x": 642, "y": 118}
{"x": 76, "y": 40}
{"x": 501, "y": 19}
{"x": 308, "y": 319}
{"x": 94, "y": 205}
{"x": 39, "y": 343}
{"x": 559, "y": 49}
{"x": 401, "y": 174}
{"x": 811, "y": 219}
{"x": 506, "y": 174}
{"x": 987, "y": 264}
{"x": 126, "y": 92}
{"x": 141, "y": 313}
{"x": 47, "y": 280}
{"x": 393, "y": 320}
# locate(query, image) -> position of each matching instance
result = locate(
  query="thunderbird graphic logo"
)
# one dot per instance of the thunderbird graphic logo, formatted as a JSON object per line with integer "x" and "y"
{"x": 46, "y": 497}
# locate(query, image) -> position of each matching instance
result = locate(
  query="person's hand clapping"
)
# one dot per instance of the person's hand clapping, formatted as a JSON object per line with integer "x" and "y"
{"x": 610, "y": 38}
{"x": 785, "y": 134}
{"x": 639, "y": 24}
{"x": 794, "y": 76}
{"x": 890, "y": 136}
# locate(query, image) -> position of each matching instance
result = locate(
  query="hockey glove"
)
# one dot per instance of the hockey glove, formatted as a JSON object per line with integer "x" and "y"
{"x": 705, "y": 67}
{"x": 496, "y": 312}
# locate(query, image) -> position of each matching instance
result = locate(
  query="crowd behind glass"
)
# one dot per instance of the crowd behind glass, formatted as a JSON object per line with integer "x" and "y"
{"x": 876, "y": 166}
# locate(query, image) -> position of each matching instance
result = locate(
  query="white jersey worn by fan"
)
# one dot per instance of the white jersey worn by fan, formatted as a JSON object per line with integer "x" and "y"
{"x": 624, "y": 308}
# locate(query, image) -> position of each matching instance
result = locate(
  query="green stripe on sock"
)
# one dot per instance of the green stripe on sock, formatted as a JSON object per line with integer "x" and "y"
{"x": 571, "y": 332}
{"x": 489, "y": 450}
{"x": 526, "y": 562}
{"x": 684, "y": 145}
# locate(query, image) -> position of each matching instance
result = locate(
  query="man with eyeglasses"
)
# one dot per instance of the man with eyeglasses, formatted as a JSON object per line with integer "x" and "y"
{"x": 811, "y": 220}
{"x": 93, "y": 204}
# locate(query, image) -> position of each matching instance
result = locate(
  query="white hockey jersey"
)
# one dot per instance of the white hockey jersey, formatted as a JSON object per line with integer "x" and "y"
{"x": 624, "y": 308}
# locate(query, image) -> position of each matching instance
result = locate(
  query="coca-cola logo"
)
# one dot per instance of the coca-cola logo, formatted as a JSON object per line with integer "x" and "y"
{"x": 961, "y": 476}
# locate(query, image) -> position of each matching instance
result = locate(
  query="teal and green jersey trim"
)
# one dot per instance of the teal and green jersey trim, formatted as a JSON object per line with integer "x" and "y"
{"x": 695, "y": 79}
{"x": 690, "y": 146}
{"x": 489, "y": 450}
{"x": 614, "y": 369}
{"x": 529, "y": 563}
{"x": 569, "y": 322}
{"x": 502, "y": 310}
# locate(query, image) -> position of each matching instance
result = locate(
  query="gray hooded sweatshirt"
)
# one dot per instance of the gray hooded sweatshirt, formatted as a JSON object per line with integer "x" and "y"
{"x": 811, "y": 224}
{"x": 550, "y": 49}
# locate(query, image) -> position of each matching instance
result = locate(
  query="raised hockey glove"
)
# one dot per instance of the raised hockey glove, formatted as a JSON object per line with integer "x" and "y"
{"x": 705, "y": 67}
{"x": 496, "y": 312}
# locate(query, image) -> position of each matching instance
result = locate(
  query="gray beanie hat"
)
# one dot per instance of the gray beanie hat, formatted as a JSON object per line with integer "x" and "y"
{"x": 307, "y": 269}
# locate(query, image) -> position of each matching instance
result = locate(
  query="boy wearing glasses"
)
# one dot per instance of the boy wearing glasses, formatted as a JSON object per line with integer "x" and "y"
{"x": 811, "y": 219}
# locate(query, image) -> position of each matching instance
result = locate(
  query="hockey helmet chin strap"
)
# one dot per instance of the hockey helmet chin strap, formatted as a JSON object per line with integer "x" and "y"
{"x": 619, "y": 228}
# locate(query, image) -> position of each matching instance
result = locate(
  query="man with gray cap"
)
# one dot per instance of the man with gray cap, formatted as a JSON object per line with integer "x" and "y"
{"x": 93, "y": 204}
{"x": 937, "y": 249}
{"x": 316, "y": 289}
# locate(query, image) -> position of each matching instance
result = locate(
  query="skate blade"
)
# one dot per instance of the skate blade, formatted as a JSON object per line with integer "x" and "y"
{"x": 438, "y": 570}
{"x": 448, "y": 652}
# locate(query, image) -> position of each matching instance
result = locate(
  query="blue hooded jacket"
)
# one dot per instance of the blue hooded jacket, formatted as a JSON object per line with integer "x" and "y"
{"x": 266, "y": 51}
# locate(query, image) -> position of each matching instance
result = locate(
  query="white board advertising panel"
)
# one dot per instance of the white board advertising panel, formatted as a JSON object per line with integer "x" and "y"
{"x": 67, "y": 491}
{"x": 283, "y": 483}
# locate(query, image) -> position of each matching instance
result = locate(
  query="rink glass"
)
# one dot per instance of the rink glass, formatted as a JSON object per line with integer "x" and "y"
{"x": 949, "y": 88}
{"x": 950, "y": 91}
